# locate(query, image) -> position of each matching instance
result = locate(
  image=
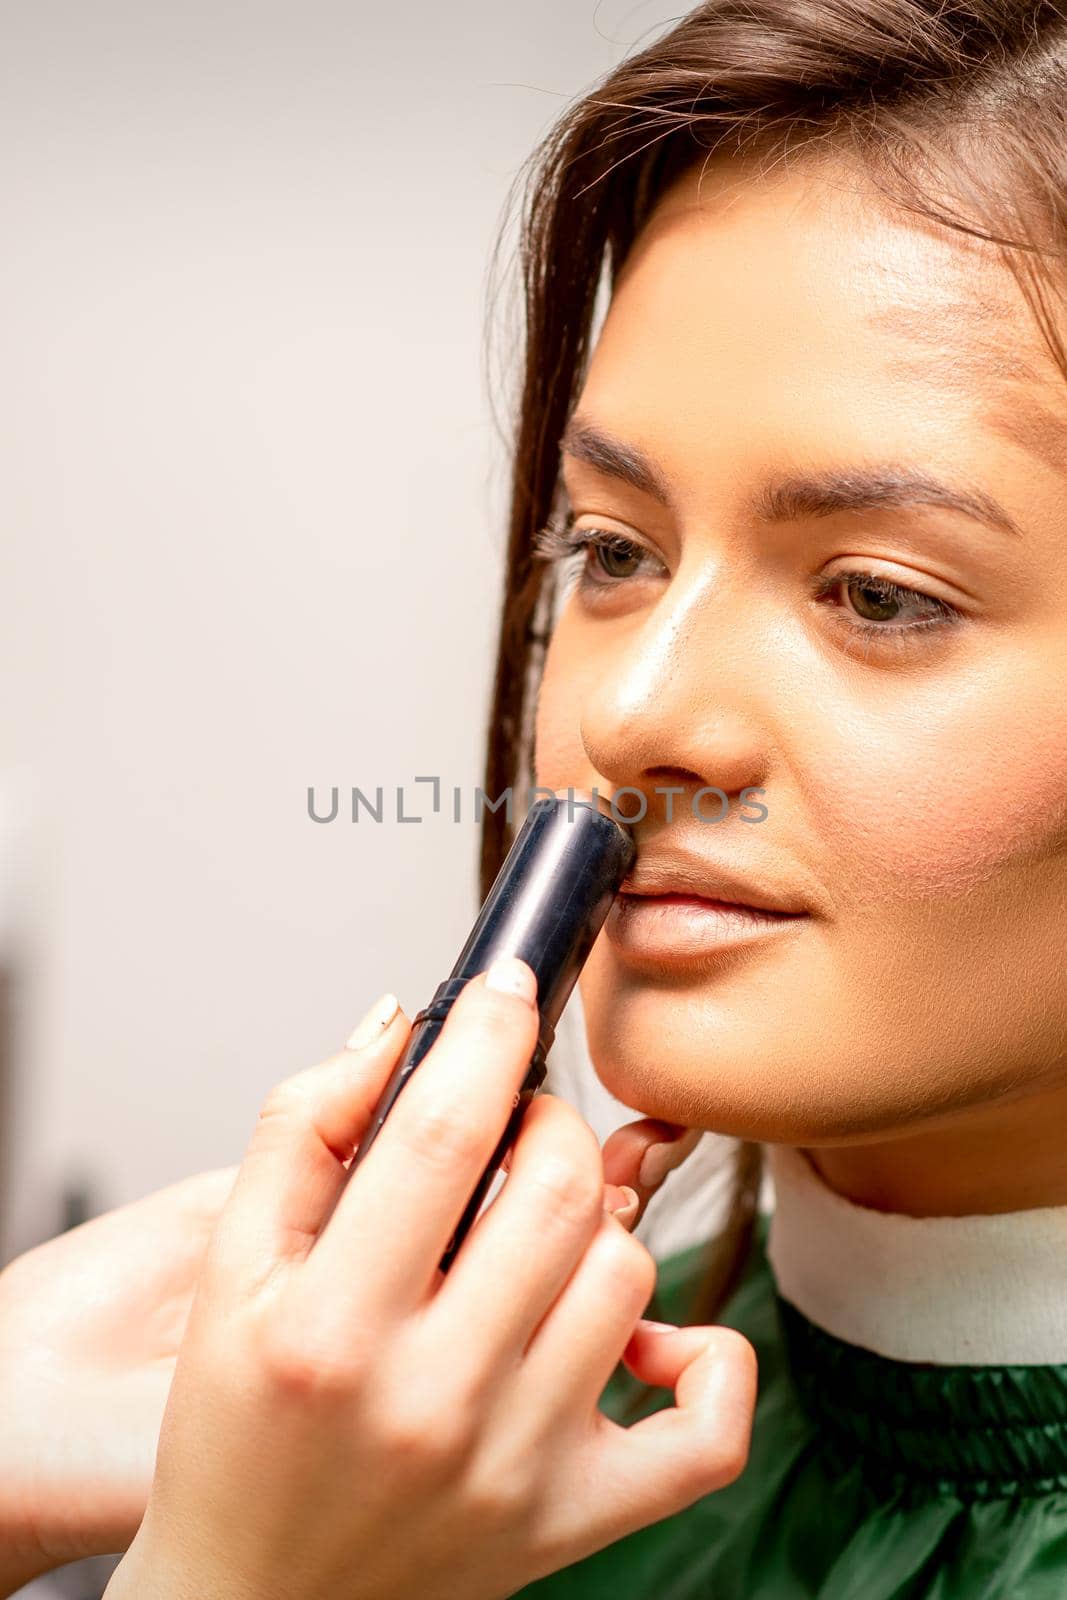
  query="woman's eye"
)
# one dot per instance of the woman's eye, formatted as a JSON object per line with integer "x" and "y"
{"x": 610, "y": 558}
{"x": 879, "y": 608}
{"x": 874, "y": 608}
{"x": 616, "y": 557}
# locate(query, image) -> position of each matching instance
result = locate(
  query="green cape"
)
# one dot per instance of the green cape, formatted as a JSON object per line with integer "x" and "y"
{"x": 868, "y": 1478}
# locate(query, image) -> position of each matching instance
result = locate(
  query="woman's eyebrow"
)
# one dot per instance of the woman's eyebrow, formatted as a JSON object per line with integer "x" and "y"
{"x": 586, "y": 442}
{"x": 820, "y": 494}
{"x": 799, "y": 494}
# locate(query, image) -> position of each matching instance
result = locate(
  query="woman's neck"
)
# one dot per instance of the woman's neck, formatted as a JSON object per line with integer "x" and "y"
{"x": 1007, "y": 1156}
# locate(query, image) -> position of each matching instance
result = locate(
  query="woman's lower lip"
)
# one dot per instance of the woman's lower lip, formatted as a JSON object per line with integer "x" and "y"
{"x": 664, "y": 928}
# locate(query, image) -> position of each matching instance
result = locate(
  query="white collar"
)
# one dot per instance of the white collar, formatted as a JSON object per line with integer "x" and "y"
{"x": 974, "y": 1290}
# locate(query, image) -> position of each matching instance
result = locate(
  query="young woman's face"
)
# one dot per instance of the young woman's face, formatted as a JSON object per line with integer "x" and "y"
{"x": 783, "y": 361}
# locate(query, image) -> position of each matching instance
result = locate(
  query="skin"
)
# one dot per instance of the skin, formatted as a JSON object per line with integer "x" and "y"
{"x": 325, "y": 1349}
{"x": 911, "y": 1032}
{"x": 90, "y": 1327}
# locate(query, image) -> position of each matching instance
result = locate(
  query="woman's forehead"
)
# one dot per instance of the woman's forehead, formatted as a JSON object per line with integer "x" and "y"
{"x": 819, "y": 237}
{"x": 747, "y": 290}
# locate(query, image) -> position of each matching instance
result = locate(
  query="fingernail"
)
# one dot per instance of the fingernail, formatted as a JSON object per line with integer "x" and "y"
{"x": 656, "y": 1327}
{"x": 659, "y": 1159}
{"x": 377, "y": 1019}
{"x": 624, "y": 1203}
{"x": 511, "y": 976}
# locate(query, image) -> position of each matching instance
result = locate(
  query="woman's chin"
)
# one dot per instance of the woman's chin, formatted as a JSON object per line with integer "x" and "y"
{"x": 804, "y": 1108}
{"x": 775, "y": 1051}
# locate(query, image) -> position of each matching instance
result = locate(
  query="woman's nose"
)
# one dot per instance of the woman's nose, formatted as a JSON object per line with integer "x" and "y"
{"x": 678, "y": 696}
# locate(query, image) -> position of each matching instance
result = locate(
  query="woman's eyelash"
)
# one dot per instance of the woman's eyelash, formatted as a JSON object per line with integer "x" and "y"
{"x": 559, "y": 540}
{"x": 553, "y": 541}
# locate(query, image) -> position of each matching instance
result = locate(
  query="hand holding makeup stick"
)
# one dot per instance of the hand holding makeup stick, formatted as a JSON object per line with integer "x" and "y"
{"x": 90, "y": 1324}
{"x": 347, "y": 1421}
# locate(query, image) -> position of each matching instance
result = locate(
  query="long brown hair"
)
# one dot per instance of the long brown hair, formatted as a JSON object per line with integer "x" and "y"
{"x": 958, "y": 112}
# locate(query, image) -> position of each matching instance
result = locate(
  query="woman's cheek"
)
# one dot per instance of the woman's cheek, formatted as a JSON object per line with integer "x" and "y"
{"x": 559, "y": 755}
{"x": 932, "y": 806}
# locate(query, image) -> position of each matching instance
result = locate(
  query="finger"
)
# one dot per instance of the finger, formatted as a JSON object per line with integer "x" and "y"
{"x": 196, "y": 1200}
{"x": 293, "y": 1171}
{"x": 201, "y": 1197}
{"x": 160, "y": 1238}
{"x": 622, "y": 1202}
{"x": 579, "y": 1343}
{"x": 668, "y": 1460}
{"x": 179, "y": 1221}
{"x": 525, "y": 1247}
{"x": 657, "y": 1351}
{"x": 666, "y": 1144}
{"x": 402, "y": 1203}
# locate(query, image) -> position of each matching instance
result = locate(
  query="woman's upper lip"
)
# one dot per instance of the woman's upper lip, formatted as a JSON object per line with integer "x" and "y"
{"x": 708, "y": 880}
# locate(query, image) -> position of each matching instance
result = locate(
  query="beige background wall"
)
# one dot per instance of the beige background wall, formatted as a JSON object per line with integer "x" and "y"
{"x": 251, "y": 506}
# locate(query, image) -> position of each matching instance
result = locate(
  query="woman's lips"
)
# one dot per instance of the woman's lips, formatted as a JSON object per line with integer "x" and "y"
{"x": 663, "y": 928}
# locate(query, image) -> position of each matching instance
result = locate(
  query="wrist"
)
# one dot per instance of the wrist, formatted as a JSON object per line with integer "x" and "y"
{"x": 17, "y": 1570}
{"x": 22, "y": 1554}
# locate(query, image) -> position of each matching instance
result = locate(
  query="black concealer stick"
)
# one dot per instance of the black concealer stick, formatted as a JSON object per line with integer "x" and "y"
{"x": 547, "y": 905}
